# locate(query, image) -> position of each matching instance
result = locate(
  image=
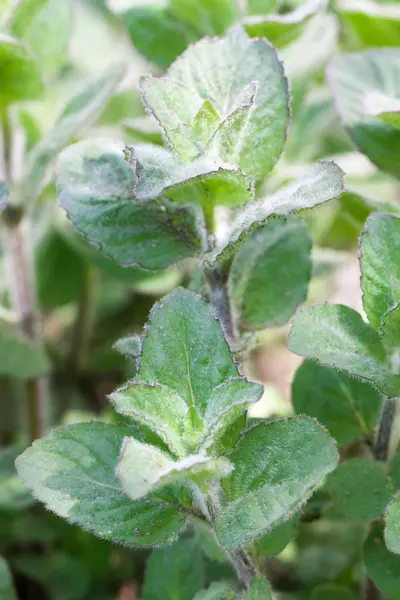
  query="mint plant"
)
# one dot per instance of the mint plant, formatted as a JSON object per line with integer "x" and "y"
{"x": 184, "y": 456}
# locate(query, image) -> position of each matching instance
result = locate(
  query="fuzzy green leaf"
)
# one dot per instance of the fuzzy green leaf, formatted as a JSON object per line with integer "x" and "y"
{"x": 336, "y": 336}
{"x": 96, "y": 190}
{"x": 258, "y": 590}
{"x": 160, "y": 173}
{"x": 360, "y": 489}
{"x": 280, "y": 248}
{"x": 351, "y": 77}
{"x": 80, "y": 112}
{"x": 157, "y": 470}
{"x": 390, "y": 333}
{"x": 383, "y": 567}
{"x": 20, "y": 78}
{"x": 346, "y": 406}
{"x": 128, "y": 346}
{"x": 217, "y": 591}
{"x": 157, "y": 33}
{"x": 35, "y": 20}
{"x": 187, "y": 388}
{"x": 392, "y": 528}
{"x": 380, "y": 266}
{"x": 72, "y": 471}
{"x": 324, "y": 182}
{"x": 7, "y": 591}
{"x": 277, "y": 466}
{"x": 175, "y": 573}
{"x": 177, "y": 98}
{"x": 18, "y": 356}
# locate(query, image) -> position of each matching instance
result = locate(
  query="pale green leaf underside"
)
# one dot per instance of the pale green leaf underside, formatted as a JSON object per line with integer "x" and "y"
{"x": 390, "y": 334}
{"x": 204, "y": 182}
{"x": 360, "y": 489}
{"x": 128, "y": 346}
{"x": 20, "y": 78}
{"x": 280, "y": 248}
{"x": 351, "y": 77}
{"x": 346, "y": 406}
{"x": 336, "y": 336}
{"x": 324, "y": 182}
{"x": 277, "y": 466}
{"x": 231, "y": 63}
{"x": 380, "y": 266}
{"x": 80, "y": 112}
{"x": 18, "y": 356}
{"x": 142, "y": 469}
{"x": 392, "y": 528}
{"x": 187, "y": 387}
{"x": 72, "y": 472}
{"x": 96, "y": 189}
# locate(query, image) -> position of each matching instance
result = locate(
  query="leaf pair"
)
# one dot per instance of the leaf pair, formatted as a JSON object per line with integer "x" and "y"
{"x": 337, "y": 336}
{"x": 188, "y": 405}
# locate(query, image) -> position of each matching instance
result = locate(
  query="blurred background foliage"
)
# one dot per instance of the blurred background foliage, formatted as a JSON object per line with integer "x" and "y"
{"x": 77, "y": 48}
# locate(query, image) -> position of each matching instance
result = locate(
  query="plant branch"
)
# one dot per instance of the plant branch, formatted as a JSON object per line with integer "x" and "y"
{"x": 381, "y": 448}
{"x": 18, "y": 253}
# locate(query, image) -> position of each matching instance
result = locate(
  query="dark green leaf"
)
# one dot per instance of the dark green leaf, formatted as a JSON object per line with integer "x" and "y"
{"x": 174, "y": 573}
{"x": 72, "y": 472}
{"x": 331, "y": 592}
{"x": 206, "y": 17}
{"x": 383, "y": 567}
{"x": 7, "y": 591}
{"x": 217, "y": 591}
{"x": 277, "y": 539}
{"x": 265, "y": 487}
{"x": 360, "y": 489}
{"x": 280, "y": 248}
{"x": 18, "y": 355}
{"x": 96, "y": 190}
{"x": 347, "y": 407}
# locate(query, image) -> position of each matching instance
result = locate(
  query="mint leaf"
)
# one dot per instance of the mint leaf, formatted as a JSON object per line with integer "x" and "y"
{"x": 259, "y": 590}
{"x": 392, "y": 527}
{"x": 7, "y": 591}
{"x": 380, "y": 266}
{"x": 366, "y": 24}
{"x": 34, "y": 20}
{"x": 157, "y": 33}
{"x": 336, "y": 336}
{"x": 187, "y": 388}
{"x": 207, "y": 17}
{"x": 80, "y": 111}
{"x": 176, "y": 99}
{"x": 174, "y": 573}
{"x": 20, "y": 78}
{"x": 19, "y": 357}
{"x": 331, "y": 591}
{"x": 265, "y": 487}
{"x": 157, "y": 469}
{"x": 390, "y": 334}
{"x": 383, "y": 567}
{"x": 277, "y": 539}
{"x": 96, "y": 189}
{"x": 360, "y": 489}
{"x": 72, "y": 472}
{"x": 128, "y": 346}
{"x": 217, "y": 591}
{"x": 280, "y": 248}
{"x": 386, "y": 108}
{"x": 346, "y": 406}
{"x": 351, "y": 77}
{"x": 160, "y": 173}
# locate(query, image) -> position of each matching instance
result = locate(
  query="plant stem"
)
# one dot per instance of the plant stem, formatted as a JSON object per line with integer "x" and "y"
{"x": 82, "y": 330}
{"x": 18, "y": 253}
{"x": 218, "y": 297}
{"x": 381, "y": 448}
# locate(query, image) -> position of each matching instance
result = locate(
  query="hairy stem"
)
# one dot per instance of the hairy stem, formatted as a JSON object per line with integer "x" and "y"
{"x": 18, "y": 253}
